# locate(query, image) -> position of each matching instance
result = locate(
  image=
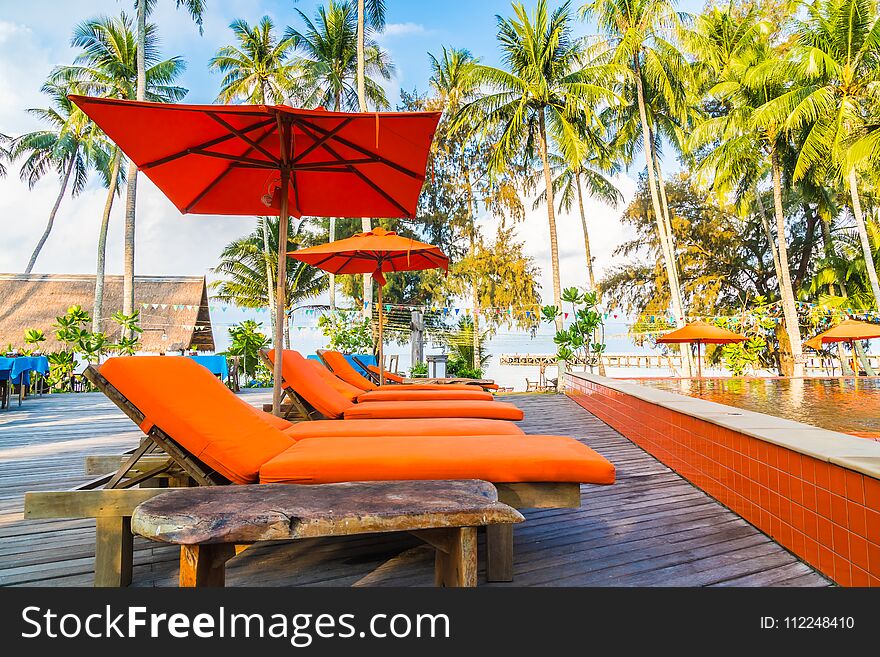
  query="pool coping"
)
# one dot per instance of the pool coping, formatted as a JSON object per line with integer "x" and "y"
{"x": 851, "y": 452}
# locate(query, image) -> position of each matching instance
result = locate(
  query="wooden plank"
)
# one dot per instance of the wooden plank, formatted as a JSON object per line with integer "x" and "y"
{"x": 457, "y": 567}
{"x": 272, "y": 512}
{"x": 86, "y": 503}
{"x": 499, "y": 553}
{"x": 113, "y": 551}
{"x": 204, "y": 565}
{"x": 539, "y": 495}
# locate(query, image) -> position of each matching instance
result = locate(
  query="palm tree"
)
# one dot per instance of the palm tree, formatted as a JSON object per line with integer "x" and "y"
{"x": 836, "y": 63}
{"x": 5, "y": 154}
{"x": 71, "y": 146}
{"x": 744, "y": 142}
{"x": 639, "y": 37}
{"x": 242, "y": 280}
{"x": 257, "y": 70}
{"x": 196, "y": 10}
{"x": 370, "y": 14}
{"x": 107, "y": 67}
{"x": 454, "y": 84}
{"x": 328, "y": 66}
{"x": 542, "y": 93}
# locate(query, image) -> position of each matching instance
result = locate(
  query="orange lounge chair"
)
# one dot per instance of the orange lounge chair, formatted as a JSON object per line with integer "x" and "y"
{"x": 359, "y": 396}
{"x": 485, "y": 384}
{"x": 241, "y": 445}
{"x": 338, "y": 364}
{"x": 312, "y": 396}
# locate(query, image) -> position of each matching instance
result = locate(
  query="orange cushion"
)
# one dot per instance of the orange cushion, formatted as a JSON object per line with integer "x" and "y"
{"x": 424, "y": 395}
{"x": 428, "y": 386}
{"x": 490, "y": 410}
{"x": 391, "y": 376}
{"x": 300, "y": 376}
{"x": 344, "y": 370}
{"x": 201, "y": 414}
{"x": 345, "y": 389}
{"x": 418, "y": 427}
{"x": 492, "y": 458}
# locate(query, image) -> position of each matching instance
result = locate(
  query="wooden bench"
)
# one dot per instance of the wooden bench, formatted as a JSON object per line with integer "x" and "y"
{"x": 213, "y": 524}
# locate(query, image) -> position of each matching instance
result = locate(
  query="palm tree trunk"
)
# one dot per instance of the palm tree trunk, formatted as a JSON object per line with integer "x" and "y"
{"x": 863, "y": 359}
{"x": 270, "y": 278}
{"x": 475, "y": 291}
{"x": 786, "y": 292}
{"x": 863, "y": 236}
{"x": 64, "y": 181}
{"x": 768, "y": 231}
{"x": 551, "y": 219}
{"x": 131, "y": 192}
{"x": 671, "y": 274}
{"x": 591, "y": 278}
{"x": 332, "y": 276}
{"x": 366, "y": 224}
{"x": 845, "y": 361}
{"x": 98, "y": 311}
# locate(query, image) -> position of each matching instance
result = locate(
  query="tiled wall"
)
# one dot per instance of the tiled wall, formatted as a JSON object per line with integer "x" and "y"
{"x": 826, "y": 514}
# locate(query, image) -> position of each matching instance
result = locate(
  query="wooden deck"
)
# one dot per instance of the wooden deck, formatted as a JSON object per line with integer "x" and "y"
{"x": 652, "y": 528}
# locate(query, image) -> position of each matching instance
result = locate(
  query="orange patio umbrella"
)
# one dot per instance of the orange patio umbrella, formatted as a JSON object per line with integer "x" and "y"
{"x": 849, "y": 330}
{"x": 275, "y": 160}
{"x": 700, "y": 333}
{"x": 377, "y": 252}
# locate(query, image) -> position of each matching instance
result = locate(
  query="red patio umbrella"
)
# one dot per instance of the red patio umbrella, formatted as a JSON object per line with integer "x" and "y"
{"x": 277, "y": 160}
{"x": 849, "y": 330}
{"x": 700, "y": 332}
{"x": 377, "y": 252}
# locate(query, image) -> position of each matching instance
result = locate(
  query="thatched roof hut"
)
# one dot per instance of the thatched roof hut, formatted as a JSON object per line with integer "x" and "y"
{"x": 173, "y": 309}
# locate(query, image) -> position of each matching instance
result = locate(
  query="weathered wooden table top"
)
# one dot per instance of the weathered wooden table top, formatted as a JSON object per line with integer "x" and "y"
{"x": 271, "y": 512}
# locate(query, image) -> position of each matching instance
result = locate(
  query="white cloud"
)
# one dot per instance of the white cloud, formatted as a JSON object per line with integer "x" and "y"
{"x": 403, "y": 29}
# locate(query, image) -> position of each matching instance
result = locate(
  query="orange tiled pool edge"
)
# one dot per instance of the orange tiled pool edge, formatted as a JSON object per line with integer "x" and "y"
{"x": 827, "y": 514}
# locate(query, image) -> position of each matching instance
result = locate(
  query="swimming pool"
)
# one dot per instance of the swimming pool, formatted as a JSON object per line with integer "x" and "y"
{"x": 846, "y": 404}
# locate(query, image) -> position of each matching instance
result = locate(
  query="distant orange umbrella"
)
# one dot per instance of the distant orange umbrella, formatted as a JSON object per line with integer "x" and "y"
{"x": 377, "y": 252}
{"x": 849, "y": 330}
{"x": 700, "y": 333}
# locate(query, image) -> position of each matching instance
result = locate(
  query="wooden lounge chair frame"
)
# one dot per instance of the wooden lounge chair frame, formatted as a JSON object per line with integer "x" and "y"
{"x": 159, "y": 461}
{"x": 373, "y": 377}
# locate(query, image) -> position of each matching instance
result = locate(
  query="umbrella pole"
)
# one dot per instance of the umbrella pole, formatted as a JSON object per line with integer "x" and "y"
{"x": 381, "y": 349}
{"x": 280, "y": 294}
{"x": 699, "y": 362}
{"x": 855, "y": 362}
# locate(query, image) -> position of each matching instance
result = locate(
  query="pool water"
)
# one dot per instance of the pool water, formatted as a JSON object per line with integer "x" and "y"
{"x": 848, "y": 404}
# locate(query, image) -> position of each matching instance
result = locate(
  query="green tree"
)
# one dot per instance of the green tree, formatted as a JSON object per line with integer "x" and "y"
{"x": 542, "y": 93}
{"x": 196, "y": 10}
{"x": 246, "y": 341}
{"x": 106, "y": 66}
{"x": 257, "y": 69}
{"x": 71, "y": 146}
{"x": 242, "y": 271}
{"x": 835, "y": 66}
{"x": 330, "y": 63}
{"x": 641, "y": 38}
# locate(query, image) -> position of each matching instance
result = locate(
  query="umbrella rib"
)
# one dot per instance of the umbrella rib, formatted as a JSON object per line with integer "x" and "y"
{"x": 360, "y": 175}
{"x": 220, "y": 177}
{"x": 320, "y": 142}
{"x": 363, "y": 151}
{"x": 236, "y": 158}
{"x": 243, "y": 136}
{"x": 207, "y": 144}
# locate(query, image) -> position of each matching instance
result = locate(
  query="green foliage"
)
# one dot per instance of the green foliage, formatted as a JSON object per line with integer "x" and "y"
{"x": 418, "y": 369}
{"x": 744, "y": 357}
{"x": 580, "y": 342}
{"x": 460, "y": 345}
{"x": 247, "y": 340}
{"x": 347, "y": 332}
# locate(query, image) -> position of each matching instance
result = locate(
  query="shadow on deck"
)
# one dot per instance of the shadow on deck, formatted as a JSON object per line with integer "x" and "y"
{"x": 652, "y": 528}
